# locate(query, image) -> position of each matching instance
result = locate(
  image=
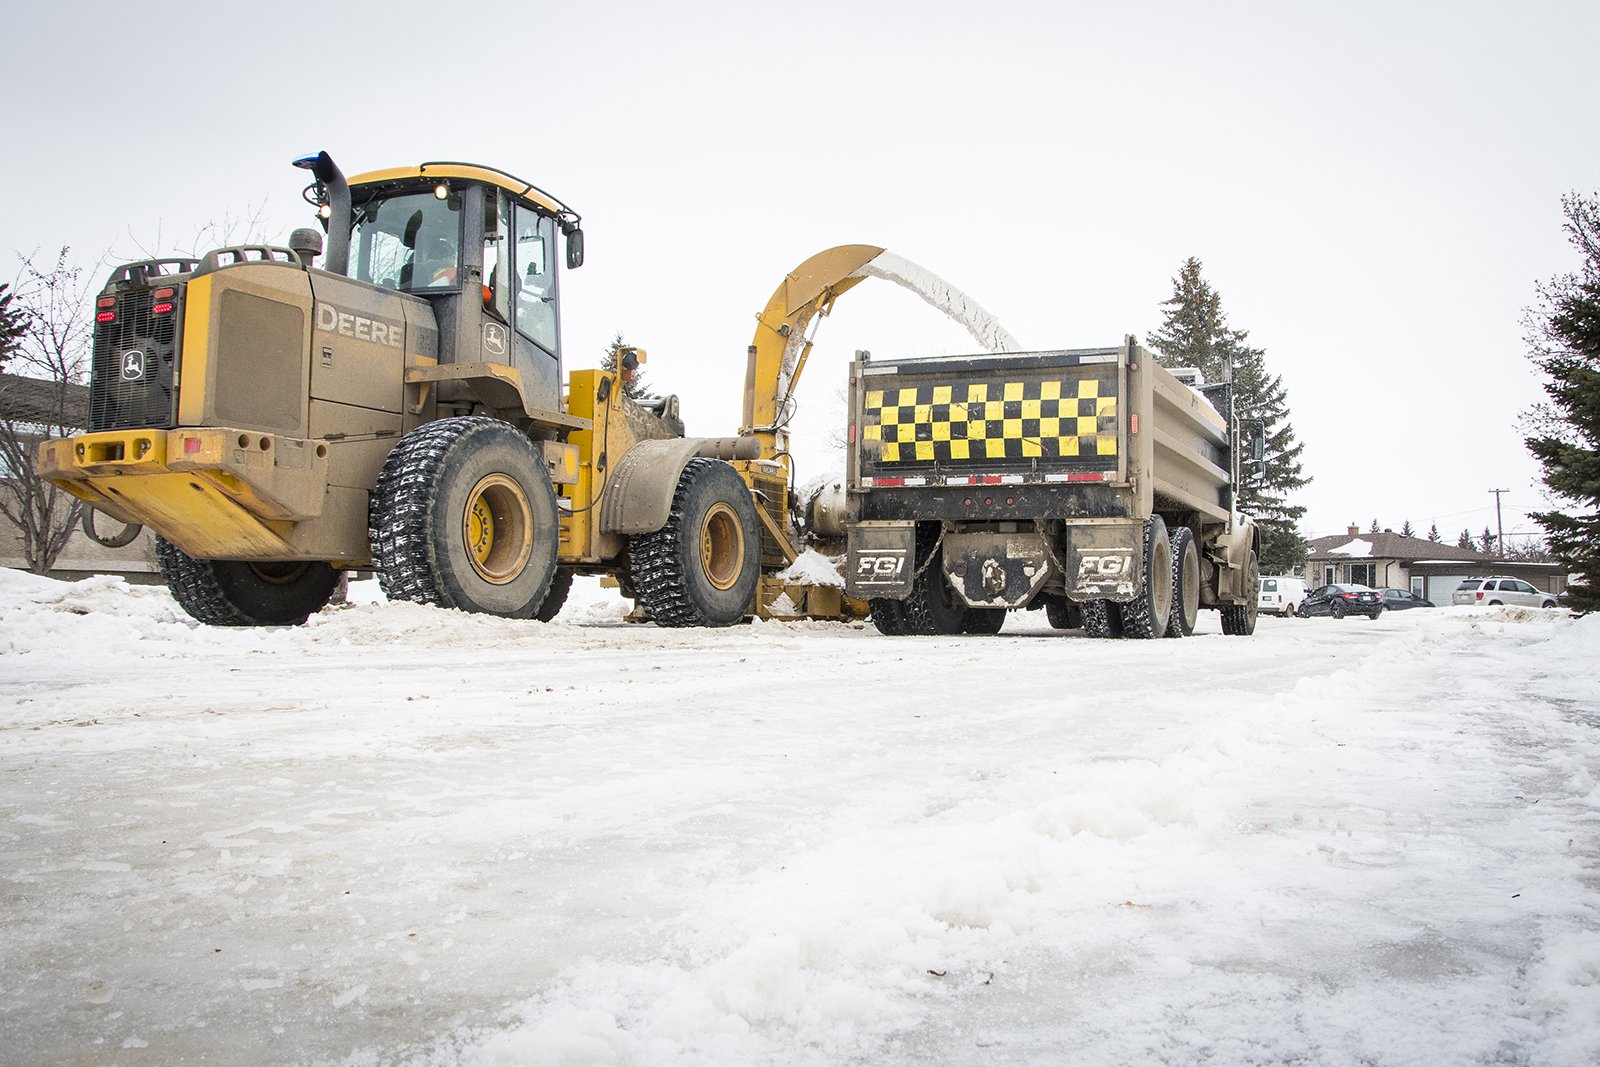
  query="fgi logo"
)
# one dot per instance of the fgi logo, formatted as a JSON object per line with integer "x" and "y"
{"x": 132, "y": 365}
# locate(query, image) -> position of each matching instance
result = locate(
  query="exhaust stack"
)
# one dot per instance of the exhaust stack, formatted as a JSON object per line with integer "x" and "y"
{"x": 337, "y": 190}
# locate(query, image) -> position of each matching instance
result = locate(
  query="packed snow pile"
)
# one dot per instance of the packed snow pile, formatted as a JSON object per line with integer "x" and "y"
{"x": 813, "y": 568}
{"x": 405, "y": 835}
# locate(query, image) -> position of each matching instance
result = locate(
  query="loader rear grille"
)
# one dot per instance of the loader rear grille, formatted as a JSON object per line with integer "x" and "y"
{"x": 132, "y": 379}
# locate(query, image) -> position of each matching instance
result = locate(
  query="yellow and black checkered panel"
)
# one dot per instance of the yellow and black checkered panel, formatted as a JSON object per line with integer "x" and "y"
{"x": 991, "y": 421}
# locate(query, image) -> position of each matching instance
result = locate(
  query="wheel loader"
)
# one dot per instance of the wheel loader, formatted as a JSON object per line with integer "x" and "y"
{"x": 398, "y": 406}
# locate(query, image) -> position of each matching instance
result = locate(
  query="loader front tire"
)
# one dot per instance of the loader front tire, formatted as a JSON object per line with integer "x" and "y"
{"x": 225, "y": 592}
{"x": 701, "y": 568}
{"x": 464, "y": 516}
{"x": 560, "y": 586}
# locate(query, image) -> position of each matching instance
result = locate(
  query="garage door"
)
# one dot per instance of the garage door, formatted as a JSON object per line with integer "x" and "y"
{"x": 1442, "y": 586}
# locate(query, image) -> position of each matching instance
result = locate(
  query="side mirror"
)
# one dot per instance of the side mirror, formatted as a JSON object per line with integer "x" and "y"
{"x": 1258, "y": 441}
{"x": 574, "y": 248}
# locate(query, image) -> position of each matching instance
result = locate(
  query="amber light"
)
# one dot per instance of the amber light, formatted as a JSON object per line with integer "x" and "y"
{"x": 163, "y": 294}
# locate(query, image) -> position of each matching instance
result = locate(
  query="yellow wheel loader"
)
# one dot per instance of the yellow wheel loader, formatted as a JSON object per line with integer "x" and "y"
{"x": 397, "y": 406}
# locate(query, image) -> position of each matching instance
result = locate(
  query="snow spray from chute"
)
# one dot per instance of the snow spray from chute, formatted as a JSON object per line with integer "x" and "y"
{"x": 934, "y": 291}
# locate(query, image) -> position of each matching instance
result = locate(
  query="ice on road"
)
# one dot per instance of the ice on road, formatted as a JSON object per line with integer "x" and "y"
{"x": 399, "y": 835}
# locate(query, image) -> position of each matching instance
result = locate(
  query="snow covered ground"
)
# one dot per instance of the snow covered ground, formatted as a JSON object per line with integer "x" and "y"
{"x": 404, "y": 836}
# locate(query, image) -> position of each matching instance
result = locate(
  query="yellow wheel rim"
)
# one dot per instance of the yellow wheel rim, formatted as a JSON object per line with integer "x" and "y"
{"x": 498, "y": 529}
{"x": 721, "y": 546}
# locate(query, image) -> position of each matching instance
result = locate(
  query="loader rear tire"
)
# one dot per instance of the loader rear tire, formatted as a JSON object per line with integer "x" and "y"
{"x": 225, "y": 592}
{"x": 1185, "y": 583}
{"x": 1148, "y": 613}
{"x": 464, "y": 516}
{"x": 701, "y": 568}
{"x": 1240, "y": 620}
{"x": 1102, "y": 618}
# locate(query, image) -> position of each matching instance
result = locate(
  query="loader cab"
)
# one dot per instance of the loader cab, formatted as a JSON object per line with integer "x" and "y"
{"x": 480, "y": 247}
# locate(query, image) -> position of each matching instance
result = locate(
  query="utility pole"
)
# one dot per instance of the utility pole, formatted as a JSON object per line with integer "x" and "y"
{"x": 1500, "y": 529}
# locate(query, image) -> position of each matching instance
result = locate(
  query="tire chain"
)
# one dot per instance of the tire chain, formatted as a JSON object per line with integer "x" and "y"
{"x": 195, "y": 587}
{"x": 657, "y": 573}
{"x": 403, "y": 483}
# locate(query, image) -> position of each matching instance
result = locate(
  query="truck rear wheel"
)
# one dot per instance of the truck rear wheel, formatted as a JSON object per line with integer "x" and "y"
{"x": 889, "y": 616}
{"x": 1063, "y": 614}
{"x": 464, "y": 516}
{"x": 987, "y": 621}
{"x": 701, "y": 568}
{"x": 1102, "y": 618}
{"x": 1185, "y": 583}
{"x": 1240, "y": 620}
{"x": 1148, "y": 613}
{"x": 225, "y": 592}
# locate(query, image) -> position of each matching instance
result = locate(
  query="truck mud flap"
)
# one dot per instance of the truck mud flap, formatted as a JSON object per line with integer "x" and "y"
{"x": 996, "y": 570}
{"x": 880, "y": 560}
{"x": 1103, "y": 561}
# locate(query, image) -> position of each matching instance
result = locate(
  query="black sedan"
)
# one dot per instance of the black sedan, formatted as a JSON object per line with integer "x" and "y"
{"x": 1400, "y": 599}
{"x": 1342, "y": 600}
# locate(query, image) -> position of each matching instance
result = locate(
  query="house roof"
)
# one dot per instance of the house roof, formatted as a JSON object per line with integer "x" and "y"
{"x": 1387, "y": 545}
{"x": 40, "y": 402}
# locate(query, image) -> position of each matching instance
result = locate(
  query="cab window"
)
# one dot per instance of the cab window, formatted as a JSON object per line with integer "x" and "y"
{"x": 535, "y": 279}
{"x": 411, "y": 242}
{"x": 497, "y": 255}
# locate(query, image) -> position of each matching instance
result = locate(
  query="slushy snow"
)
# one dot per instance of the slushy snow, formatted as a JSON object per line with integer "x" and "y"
{"x": 401, "y": 835}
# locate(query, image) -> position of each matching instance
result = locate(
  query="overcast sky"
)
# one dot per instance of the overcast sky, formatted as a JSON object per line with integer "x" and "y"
{"x": 1374, "y": 188}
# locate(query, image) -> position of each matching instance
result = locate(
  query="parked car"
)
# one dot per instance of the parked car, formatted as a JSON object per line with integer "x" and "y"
{"x": 1400, "y": 599}
{"x": 1342, "y": 600}
{"x": 1281, "y": 596}
{"x": 1489, "y": 592}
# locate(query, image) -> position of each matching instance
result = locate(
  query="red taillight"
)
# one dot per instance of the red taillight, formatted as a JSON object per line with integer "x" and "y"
{"x": 191, "y": 445}
{"x": 1348, "y": 596}
{"x": 163, "y": 308}
{"x": 106, "y": 302}
{"x": 163, "y": 294}
{"x": 1478, "y": 595}
{"x": 105, "y": 316}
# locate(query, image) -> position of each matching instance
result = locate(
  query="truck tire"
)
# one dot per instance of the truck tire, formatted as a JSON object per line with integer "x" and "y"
{"x": 464, "y": 516}
{"x": 224, "y": 592}
{"x": 986, "y": 621}
{"x": 560, "y": 586}
{"x": 1148, "y": 613}
{"x": 701, "y": 568}
{"x": 1102, "y": 618}
{"x": 1240, "y": 620}
{"x": 888, "y": 616}
{"x": 1185, "y": 583}
{"x": 932, "y": 607}
{"x": 1063, "y": 614}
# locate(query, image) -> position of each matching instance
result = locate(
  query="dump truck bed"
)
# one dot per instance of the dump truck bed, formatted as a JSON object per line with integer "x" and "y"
{"x": 1081, "y": 431}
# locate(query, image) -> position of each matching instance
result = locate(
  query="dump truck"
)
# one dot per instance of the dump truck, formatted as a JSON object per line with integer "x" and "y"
{"x": 1092, "y": 483}
{"x": 398, "y": 407}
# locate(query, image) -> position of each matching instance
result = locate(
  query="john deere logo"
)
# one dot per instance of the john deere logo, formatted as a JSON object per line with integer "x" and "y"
{"x": 132, "y": 365}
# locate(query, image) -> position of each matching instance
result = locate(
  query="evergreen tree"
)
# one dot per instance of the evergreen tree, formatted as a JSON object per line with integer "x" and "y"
{"x": 1486, "y": 542}
{"x": 634, "y": 388}
{"x": 1195, "y": 333}
{"x": 1407, "y": 530}
{"x": 1564, "y": 338}
{"x": 1373, "y": 528}
{"x": 13, "y": 325}
{"x": 1433, "y": 533}
{"x": 1465, "y": 540}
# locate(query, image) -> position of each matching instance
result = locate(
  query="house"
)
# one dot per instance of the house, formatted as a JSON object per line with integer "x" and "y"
{"x": 26, "y": 405}
{"x": 1428, "y": 568}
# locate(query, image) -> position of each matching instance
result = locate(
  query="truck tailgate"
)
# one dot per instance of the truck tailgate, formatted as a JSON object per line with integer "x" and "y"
{"x": 1049, "y": 416}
